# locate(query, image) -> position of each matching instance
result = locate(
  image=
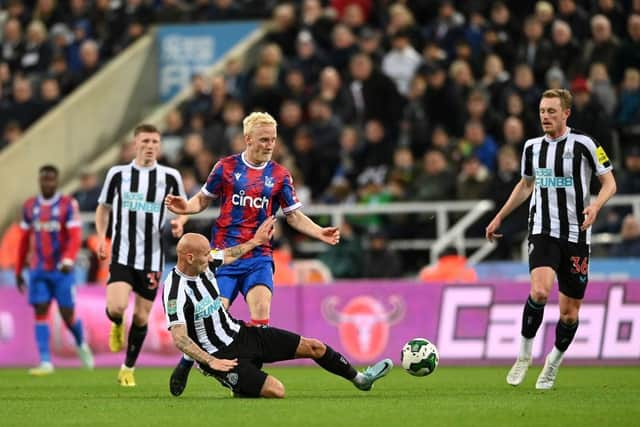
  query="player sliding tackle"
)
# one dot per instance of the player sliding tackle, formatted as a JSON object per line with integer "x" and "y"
{"x": 226, "y": 348}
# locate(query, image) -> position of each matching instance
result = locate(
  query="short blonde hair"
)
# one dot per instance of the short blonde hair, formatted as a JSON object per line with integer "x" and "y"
{"x": 256, "y": 119}
{"x": 564, "y": 95}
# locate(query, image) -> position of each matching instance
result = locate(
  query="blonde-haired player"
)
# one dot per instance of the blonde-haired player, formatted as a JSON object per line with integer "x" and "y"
{"x": 251, "y": 187}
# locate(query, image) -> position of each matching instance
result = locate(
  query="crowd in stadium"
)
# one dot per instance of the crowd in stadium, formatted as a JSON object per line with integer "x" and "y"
{"x": 376, "y": 101}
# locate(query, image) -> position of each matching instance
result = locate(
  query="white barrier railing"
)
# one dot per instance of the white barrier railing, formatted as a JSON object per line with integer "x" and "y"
{"x": 447, "y": 234}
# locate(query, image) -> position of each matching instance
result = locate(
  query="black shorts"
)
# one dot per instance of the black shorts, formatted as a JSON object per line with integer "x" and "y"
{"x": 144, "y": 283}
{"x": 252, "y": 347}
{"x": 569, "y": 260}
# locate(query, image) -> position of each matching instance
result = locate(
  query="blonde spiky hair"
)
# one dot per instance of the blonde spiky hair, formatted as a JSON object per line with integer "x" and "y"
{"x": 257, "y": 119}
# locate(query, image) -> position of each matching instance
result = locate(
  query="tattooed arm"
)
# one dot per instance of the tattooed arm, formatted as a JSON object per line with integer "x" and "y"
{"x": 262, "y": 236}
{"x": 190, "y": 348}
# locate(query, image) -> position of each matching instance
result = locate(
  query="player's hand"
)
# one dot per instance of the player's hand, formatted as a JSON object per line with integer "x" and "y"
{"x": 590, "y": 214}
{"x": 264, "y": 233}
{"x": 102, "y": 249}
{"x": 222, "y": 365}
{"x": 66, "y": 266}
{"x": 177, "y": 228}
{"x": 330, "y": 235}
{"x": 491, "y": 230}
{"x": 176, "y": 204}
{"x": 20, "y": 283}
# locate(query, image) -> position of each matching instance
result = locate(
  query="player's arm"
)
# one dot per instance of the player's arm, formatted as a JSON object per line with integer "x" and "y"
{"x": 607, "y": 191}
{"x": 74, "y": 236}
{"x": 263, "y": 234}
{"x": 102, "y": 222}
{"x": 305, "y": 225}
{"x": 190, "y": 348}
{"x": 520, "y": 193}
{"x": 178, "y": 205}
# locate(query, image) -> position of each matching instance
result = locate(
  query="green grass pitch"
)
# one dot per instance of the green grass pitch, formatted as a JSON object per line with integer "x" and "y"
{"x": 452, "y": 396}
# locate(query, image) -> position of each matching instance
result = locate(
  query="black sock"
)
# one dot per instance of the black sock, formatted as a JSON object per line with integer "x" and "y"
{"x": 531, "y": 317}
{"x": 114, "y": 319}
{"x": 565, "y": 334}
{"x": 136, "y": 338}
{"x": 335, "y": 363}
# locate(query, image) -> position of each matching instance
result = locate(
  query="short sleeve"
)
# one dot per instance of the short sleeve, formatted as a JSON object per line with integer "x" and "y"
{"x": 174, "y": 301}
{"x": 213, "y": 186}
{"x": 288, "y": 198}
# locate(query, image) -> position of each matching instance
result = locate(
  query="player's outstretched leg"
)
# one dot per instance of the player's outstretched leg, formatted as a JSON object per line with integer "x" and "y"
{"x": 180, "y": 375}
{"x": 75, "y": 327}
{"x": 337, "y": 364}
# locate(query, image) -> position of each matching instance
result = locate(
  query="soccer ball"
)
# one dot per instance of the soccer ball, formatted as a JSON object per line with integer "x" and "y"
{"x": 419, "y": 357}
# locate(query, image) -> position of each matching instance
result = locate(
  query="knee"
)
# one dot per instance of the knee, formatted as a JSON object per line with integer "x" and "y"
{"x": 569, "y": 317}
{"x": 260, "y": 309}
{"x": 273, "y": 389}
{"x": 140, "y": 319}
{"x": 539, "y": 294}
{"x": 317, "y": 348}
{"x": 116, "y": 309}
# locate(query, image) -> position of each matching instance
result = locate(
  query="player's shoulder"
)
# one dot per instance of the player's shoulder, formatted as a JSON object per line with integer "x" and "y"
{"x": 278, "y": 169}
{"x": 583, "y": 138}
{"x": 29, "y": 202}
{"x": 168, "y": 170}
{"x": 533, "y": 141}
{"x": 68, "y": 199}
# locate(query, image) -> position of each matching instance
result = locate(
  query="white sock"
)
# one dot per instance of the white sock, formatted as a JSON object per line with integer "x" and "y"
{"x": 359, "y": 379}
{"x": 555, "y": 356}
{"x": 187, "y": 358}
{"x": 526, "y": 348}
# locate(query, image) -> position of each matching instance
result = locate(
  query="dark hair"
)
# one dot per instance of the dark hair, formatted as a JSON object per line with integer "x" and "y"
{"x": 145, "y": 128}
{"x": 49, "y": 169}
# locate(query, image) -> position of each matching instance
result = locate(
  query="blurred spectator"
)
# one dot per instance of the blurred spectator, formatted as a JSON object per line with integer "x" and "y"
{"x": 504, "y": 180}
{"x": 374, "y": 95}
{"x": 575, "y": 16}
{"x": 474, "y": 179}
{"x": 89, "y": 62}
{"x": 264, "y": 92}
{"x": 602, "y": 46}
{"x": 514, "y": 106}
{"x": 345, "y": 259}
{"x": 628, "y": 55}
{"x": 629, "y": 177}
{"x": 614, "y": 12}
{"x": 555, "y": 78}
{"x": 343, "y": 47}
{"x": 12, "y": 44}
{"x": 477, "y": 109}
{"x": 11, "y": 133}
{"x": 37, "y": 50}
{"x": 332, "y": 90}
{"x": 89, "y": 191}
{"x": 447, "y": 28}
{"x": 370, "y": 42}
{"x": 494, "y": 80}
{"x": 50, "y": 94}
{"x": 450, "y": 268}
{"x": 414, "y": 127}
{"x": 434, "y": 180}
{"x": 513, "y": 133}
{"x": 629, "y": 247}
{"x": 628, "y": 111}
{"x": 565, "y": 49}
{"x": 476, "y": 142}
{"x": 379, "y": 260}
{"x": 602, "y": 88}
{"x": 172, "y": 136}
{"x": 443, "y": 104}
{"x": 314, "y": 19}
{"x": 587, "y": 115}
{"x": 48, "y": 12}
{"x": 24, "y": 108}
{"x": 309, "y": 59}
{"x": 172, "y": 11}
{"x": 283, "y": 29}
{"x": 401, "y": 61}
{"x": 534, "y": 50}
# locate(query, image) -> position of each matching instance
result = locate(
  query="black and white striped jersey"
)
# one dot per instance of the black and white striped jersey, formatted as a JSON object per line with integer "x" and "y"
{"x": 562, "y": 169}
{"x": 195, "y": 302}
{"x": 136, "y": 195}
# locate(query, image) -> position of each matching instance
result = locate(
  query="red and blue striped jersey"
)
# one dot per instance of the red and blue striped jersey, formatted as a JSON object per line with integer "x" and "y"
{"x": 248, "y": 195}
{"x": 55, "y": 229}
